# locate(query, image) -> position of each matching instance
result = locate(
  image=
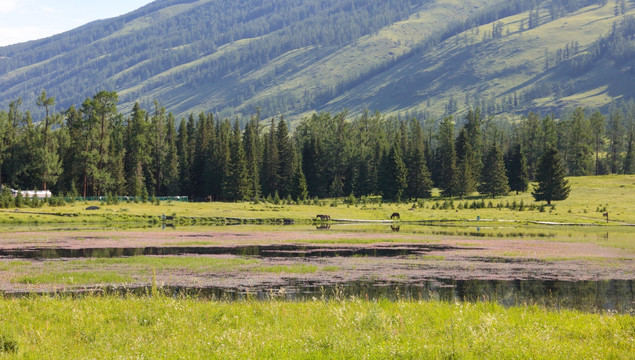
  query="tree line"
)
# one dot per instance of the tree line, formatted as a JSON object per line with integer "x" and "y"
{"x": 95, "y": 150}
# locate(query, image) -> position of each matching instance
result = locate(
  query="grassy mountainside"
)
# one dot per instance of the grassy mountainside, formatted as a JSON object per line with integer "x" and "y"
{"x": 292, "y": 57}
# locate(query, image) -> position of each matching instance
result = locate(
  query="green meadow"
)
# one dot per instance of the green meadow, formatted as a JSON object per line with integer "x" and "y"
{"x": 590, "y": 198}
{"x": 161, "y": 327}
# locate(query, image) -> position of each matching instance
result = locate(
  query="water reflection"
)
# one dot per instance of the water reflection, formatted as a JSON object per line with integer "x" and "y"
{"x": 589, "y": 296}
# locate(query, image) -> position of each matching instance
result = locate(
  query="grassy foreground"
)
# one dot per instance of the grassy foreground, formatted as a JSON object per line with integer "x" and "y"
{"x": 162, "y": 327}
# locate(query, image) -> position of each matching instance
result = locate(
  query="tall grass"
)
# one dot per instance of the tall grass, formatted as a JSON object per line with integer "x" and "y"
{"x": 163, "y": 327}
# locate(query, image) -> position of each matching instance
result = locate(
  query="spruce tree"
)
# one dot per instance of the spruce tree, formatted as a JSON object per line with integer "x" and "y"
{"x": 395, "y": 178}
{"x": 446, "y": 156}
{"x": 550, "y": 174}
{"x": 465, "y": 180}
{"x": 517, "y": 170}
{"x": 270, "y": 179}
{"x": 136, "y": 158}
{"x": 251, "y": 144}
{"x": 299, "y": 189}
{"x": 494, "y": 182}
{"x": 286, "y": 158}
{"x": 171, "y": 184}
{"x": 419, "y": 183}
{"x": 182, "y": 148}
{"x": 236, "y": 184}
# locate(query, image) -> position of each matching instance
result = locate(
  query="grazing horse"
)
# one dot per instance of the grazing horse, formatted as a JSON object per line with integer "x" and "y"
{"x": 395, "y": 216}
{"x": 323, "y": 217}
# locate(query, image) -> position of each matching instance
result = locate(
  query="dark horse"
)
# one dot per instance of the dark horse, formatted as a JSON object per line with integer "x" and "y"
{"x": 323, "y": 217}
{"x": 395, "y": 216}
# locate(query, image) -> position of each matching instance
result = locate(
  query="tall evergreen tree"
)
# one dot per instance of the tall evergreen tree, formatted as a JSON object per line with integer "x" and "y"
{"x": 286, "y": 158}
{"x": 395, "y": 175}
{"x": 517, "y": 170}
{"x": 597, "y": 129}
{"x": 251, "y": 143}
{"x": 466, "y": 178}
{"x": 475, "y": 139}
{"x": 271, "y": 163}
{"x": 447, "y": 157}
{"x": 550, "y": 176}
{"x": 171, "y": 184}
{"x": 182, "y": 148}
{"x": 615, "y": 133}
{"x": 50, "y": 162}
{"x": 578, "y": 148}
{"x": 494, "y": 182}
{"x": 158, "y": 149}
{"x": 222, "y": 159}
{"x": 202, "y": 161}
{"x": 103, "y": 106}
{"x": 137, "y": 157}
{"x": 236, "y": 184}
{"x": 419, "y": 183}
{"x": 299, "y": 189}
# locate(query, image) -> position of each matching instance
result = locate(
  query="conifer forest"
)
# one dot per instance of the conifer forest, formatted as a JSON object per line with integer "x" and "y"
{"x": 96, "y": 150}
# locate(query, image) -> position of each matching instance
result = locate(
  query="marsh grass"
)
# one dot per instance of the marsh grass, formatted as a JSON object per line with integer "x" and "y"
{"x": 73, "y": 278}
{"x": 193, "y": 263}
{"x": 164, "y": 327}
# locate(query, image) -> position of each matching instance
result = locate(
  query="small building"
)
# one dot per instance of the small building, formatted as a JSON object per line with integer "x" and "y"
{"x": 40, "y": 194}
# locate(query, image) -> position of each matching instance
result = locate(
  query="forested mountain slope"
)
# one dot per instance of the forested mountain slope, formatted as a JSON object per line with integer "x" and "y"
{"x": 293, "y": 57}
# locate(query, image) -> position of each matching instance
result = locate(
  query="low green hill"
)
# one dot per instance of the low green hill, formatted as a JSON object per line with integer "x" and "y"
{"x": 293, "y": 57}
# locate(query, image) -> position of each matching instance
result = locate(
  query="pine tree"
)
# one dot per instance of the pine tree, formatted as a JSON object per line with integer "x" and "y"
{"x": 578, "y": 152}
{"x": 136, "y": 159}
{"x": 597, "y": 129}
{"x": 465, "y": 180}
{"x": 552, "y": 185}
{"x": 50, "y": 162}
{"x": 182, "y": 149}
{"x": 299, "y": 189}
{"x": 517, "y": 170}
{"x": 271, "y": 163}
{"x": 251, "y": 144}
{"x": 395, "y": 175}
{"x": 447, "y": 157}
{"x": 419, "y": 183}
{"x": 494, "y": 182}
{"x": 286, "y": 158}
{"x": 236, "y": 184}
{"x": 171, "y": 183}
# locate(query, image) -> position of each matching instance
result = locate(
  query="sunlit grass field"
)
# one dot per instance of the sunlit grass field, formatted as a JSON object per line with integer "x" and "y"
{"x": 166, "y": 328}
{"x": 590, "y": 198}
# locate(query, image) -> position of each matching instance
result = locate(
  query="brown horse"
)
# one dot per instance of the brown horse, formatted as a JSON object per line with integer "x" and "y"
{"x": 323, "y": 217}
{"x": 395, "y": 216}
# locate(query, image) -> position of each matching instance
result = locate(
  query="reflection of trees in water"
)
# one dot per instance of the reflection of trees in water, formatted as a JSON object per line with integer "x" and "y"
{"x": 583, "y": 295}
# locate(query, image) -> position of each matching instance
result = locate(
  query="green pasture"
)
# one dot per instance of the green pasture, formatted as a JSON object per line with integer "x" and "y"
{"x": 590, "y": 198}
{"x": 159, "y": 327}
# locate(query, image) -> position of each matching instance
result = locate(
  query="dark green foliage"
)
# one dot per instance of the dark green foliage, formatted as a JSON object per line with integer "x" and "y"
{"x": 446, "y": 156}
{"x": 286, "y": 158}
{"x": 327, "y": 156}
{"x": 271, "y": 162}
{"x": 552, "y": 185}
{"x": 494, "y": 182}
{"x": 466, "y": 176}
{"x": 299, "y": 189}
{"x": 395, "y": 175}
{"x": 517, "y": 170}
{"x": 236, "y": 184}
{"x": 578, "y": 150}
{"x": 419, "y": 182}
